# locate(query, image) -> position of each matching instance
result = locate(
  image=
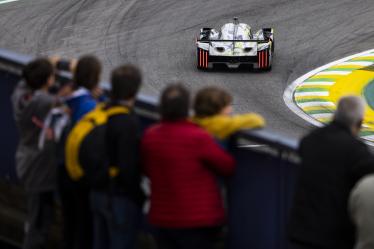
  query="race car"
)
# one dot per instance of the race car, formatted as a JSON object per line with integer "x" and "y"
{"x": 235, "y": 45}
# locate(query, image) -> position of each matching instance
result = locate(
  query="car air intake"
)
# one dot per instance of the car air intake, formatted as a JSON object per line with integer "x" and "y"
{"x": 220, "y": 49}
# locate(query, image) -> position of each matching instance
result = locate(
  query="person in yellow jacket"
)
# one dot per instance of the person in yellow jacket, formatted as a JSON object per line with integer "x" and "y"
{"x": 213, "y": 112}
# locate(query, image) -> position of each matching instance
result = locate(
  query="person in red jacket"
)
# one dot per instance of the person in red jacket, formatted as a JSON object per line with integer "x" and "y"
{"x": 182, "y": 160}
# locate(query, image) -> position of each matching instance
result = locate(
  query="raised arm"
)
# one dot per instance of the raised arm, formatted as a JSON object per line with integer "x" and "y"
{"x": 224, "y": 126}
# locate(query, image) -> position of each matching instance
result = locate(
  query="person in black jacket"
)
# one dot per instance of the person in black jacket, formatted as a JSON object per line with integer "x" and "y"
{"x": 116, "y": 206}
{"x": 333, "y": 160}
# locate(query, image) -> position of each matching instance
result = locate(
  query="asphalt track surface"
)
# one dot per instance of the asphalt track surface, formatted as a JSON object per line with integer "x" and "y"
{"x": 158, "y": 35}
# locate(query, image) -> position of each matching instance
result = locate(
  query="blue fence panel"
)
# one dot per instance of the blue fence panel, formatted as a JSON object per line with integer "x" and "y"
{"x": 8, "y": 132}
{"x": 259, "y": 200}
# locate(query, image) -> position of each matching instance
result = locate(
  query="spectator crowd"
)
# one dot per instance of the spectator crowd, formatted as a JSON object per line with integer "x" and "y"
{"x": 89, "y": 147}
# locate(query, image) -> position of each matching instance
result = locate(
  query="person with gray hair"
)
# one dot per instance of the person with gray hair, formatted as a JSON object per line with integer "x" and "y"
{"x": 350, "y": 112}
{"x": 333, "y": 160}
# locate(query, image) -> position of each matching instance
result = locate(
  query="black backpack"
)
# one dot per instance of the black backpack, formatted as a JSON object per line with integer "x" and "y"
{"x": 85, "y": 148}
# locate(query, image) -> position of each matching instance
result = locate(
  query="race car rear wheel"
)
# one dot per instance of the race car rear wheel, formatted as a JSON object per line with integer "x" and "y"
{"x": 202, "y": 58}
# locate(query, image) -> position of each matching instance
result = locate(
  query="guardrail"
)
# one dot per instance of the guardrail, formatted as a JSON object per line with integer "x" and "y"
{"x": 259, "y": 194}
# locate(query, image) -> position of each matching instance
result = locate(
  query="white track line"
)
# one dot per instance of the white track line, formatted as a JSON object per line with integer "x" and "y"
{"x": 334, "y": 73}
{"x": 7, "y": 1}
{"x": 356, "y": 63}
{"x": 370, "y": 137}
{"x": 319, "y": 83}
{"x": 316, "y": 104}
{"x": 322, "y": 115}
{"x": 312, "y": 94}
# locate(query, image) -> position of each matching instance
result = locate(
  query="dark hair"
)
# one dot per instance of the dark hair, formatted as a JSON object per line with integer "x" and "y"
{"x": 211, "y": 101}
{"x": 175, "y": 102}
{"x": 87, "y": 72}
{"x": 37, "y": 72}
{"x": 126, "y": 81}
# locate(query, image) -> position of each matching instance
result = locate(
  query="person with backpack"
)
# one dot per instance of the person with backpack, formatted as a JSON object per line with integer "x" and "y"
{"x": 74, "y": 194}
{"x": 103, "y": 151}
{"x": 86, "y": 92}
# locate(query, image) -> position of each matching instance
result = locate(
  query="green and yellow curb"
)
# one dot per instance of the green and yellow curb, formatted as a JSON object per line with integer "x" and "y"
{"x": 314, "y": 95}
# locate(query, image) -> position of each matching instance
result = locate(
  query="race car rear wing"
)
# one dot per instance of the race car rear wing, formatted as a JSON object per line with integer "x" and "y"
{"x": 206, "y": 41}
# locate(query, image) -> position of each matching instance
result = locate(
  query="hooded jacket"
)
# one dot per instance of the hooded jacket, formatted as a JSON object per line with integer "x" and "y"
{"x": 80, "y": 103}
{"x": 36, "y": 167}
{"x": 222, "y": 126}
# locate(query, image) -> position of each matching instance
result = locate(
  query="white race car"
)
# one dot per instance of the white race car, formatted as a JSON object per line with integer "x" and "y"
{"x": 235, "y": 45}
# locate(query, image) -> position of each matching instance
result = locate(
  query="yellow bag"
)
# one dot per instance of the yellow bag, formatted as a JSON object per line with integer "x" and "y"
{"x": 85, "y": 149}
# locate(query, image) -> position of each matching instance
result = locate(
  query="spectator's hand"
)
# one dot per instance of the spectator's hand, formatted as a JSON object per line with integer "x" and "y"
{"x": 49, "y": 134}
{"x": 68, "y": 65}
{"x": 67, "y": 110}
{"x": 73, "y": 65}
{"x": 54, "y": 59}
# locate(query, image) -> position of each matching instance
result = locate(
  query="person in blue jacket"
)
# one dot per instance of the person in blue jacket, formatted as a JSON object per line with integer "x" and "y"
{"x": 86, "y": 87}
{"x": 76, "y": 210}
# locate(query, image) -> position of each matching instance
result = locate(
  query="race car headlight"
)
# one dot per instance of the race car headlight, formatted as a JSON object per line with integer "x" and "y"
{"x": 262, "y": 46}
{"x": 220, "y": 49}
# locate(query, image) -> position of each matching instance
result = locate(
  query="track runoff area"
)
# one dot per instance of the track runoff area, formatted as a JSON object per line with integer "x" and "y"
{"x": 314, "y": 96}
